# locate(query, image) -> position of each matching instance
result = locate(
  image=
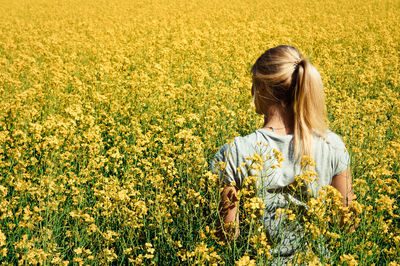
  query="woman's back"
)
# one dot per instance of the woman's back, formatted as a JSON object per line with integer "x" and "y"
{"x": 331, "y": 158}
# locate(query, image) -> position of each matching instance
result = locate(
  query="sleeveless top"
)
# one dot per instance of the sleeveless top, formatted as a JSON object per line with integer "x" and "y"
{"x": 331, "y": 158}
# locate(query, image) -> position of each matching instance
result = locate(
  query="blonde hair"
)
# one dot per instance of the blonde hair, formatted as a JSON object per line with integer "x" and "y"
{"x": 294, "y": 83}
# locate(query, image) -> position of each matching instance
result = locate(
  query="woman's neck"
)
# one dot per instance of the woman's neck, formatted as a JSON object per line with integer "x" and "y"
{"x": 279, "y": 120}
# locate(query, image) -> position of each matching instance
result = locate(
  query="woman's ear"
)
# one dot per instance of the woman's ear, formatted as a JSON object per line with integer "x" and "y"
{"x": 261, "y": 87}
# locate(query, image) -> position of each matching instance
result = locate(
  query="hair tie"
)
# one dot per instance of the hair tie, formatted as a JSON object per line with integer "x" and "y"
{"x": 297, "y": 62}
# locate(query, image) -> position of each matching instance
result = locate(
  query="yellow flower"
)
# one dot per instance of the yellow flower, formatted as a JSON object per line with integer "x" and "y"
{"x": 349, "y": 259}
{"x": 78, "y": 251}
{"x": 245, "y": 261}
{"x": 2, "y": 239}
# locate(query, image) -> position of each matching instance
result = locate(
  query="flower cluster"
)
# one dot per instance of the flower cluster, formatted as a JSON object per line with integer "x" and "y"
{"x": 111, "y": 111}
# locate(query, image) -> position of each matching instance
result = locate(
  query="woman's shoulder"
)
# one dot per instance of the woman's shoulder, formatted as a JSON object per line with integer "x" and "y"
{"x": 334, "y": 140}
{"x": 240, "y": 144}
{"x": 247, "y": 141}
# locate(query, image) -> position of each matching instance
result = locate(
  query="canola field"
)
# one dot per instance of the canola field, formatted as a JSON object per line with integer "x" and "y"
{"x": 112, "y": 110}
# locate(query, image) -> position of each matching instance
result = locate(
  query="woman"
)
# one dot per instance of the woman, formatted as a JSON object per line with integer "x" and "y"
{"x": 287, "y": 90}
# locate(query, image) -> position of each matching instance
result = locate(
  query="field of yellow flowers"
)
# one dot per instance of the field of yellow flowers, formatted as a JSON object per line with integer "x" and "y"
{"x": 112, "y": 110}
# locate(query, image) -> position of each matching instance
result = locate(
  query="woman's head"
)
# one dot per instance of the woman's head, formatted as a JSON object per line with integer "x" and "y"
{"x": 273, "y": 75}
{"x": 283, "y": 77}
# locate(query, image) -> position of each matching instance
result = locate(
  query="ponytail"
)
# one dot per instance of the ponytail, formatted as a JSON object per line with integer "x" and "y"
{"x": 309, "y": 108}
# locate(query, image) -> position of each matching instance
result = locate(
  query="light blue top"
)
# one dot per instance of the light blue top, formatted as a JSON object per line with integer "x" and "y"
{"x": 331, "y": 158}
